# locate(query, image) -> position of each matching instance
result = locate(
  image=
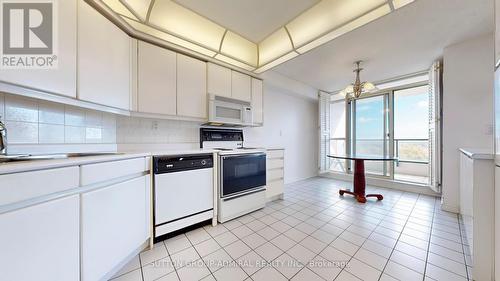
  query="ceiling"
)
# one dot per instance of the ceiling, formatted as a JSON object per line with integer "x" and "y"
{"x": 403, "y": 42}
{"x": 290, "y": 27}
{"x": 254, "y": 19}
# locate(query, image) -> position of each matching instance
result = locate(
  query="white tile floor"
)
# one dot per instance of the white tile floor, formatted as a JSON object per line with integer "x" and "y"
{"x": 313, "y": 234}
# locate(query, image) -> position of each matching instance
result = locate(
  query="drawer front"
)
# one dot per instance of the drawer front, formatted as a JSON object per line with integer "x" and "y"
{"x": 23, "y": 186}
{"x": 274, "y": 164}
{"x": 275, "y": 175}
{"x": 279, "y": 153}
{"x": 100, "y": 172}
{"x": 275, "y": 188}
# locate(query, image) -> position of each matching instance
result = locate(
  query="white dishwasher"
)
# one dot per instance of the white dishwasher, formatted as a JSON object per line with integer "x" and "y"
{"x": 183, "y": 192}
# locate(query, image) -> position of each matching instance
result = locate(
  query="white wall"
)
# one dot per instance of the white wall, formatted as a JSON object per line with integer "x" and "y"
{"x": 290, "y": 122}
{"x": 467, "y": 108}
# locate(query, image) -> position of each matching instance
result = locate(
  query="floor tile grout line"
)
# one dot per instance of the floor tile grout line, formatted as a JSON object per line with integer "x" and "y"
{"x": 170, "y": 256}
{"x": 223, "y": 249}
{"x": 463, "y": 248}
{"x": 328, "y": 245}
{"x": 430, "y": 237}
{"x": 397, "y": 240}
{"x": 308, "y": 235}
{"x": 338, "y": 236}
{"x": 296, "y": 243}
{"x": 305, "y": 200}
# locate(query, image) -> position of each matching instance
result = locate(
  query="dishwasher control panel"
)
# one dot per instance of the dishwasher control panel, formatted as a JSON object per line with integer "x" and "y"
{"x": 176, "y": 163}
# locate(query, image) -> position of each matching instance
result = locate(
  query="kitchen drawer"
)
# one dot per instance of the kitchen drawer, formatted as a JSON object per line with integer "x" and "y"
{"x": 274, "y": 188}
{"x": 23, "y": 186}
{"x": 275, "y": 153}
{"x": 274, "y": 175}
{"x": 100, "y": 172}
{"x": 274, "y": 164}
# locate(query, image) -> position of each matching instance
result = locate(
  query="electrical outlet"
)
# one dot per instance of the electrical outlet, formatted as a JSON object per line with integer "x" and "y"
{"x": 154, "y": 125}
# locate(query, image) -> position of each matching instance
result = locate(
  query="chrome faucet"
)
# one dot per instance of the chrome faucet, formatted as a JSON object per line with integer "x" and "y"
{"x": 3, "y": 139}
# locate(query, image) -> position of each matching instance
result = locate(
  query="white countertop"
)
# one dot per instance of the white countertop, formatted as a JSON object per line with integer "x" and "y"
{"x": 169, "y": 152}
{"x": 33, "y": 165}
{"x": 478, "y": 153}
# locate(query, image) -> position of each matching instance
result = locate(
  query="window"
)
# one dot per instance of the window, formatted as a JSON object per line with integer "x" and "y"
{"x": 411, "y": 134}
{"x": 394, "y": 122}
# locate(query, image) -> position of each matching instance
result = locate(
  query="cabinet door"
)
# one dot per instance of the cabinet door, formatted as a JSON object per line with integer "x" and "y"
{"x": 104, "y": 60}
{"x": 241, "y": 86}
{"x": 191, "y": 87}
{"x": 156, "y": 80}
{"x": 61, "y": 80}
{"x": 114, "y": 225}
{"x": 219, "y": 80}
{"x": 257, "y": 101}
{"x": 41, "y": 242}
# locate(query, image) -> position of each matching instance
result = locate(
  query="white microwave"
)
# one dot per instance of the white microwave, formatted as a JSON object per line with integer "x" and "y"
{"x": 227, "y": 111}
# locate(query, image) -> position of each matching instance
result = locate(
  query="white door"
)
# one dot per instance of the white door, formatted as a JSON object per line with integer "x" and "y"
{"x": 104, "y": 60}
{"x": 114, "y": 225}
{"x": 41, "y": 242}
{"x": 241, "y": 86}
{"x": 60, "y": 80}
{"x": 191, "y": 87}
{"x": 219, "y": 80}
{"x": 257, "y": 101}
{"x": 156, "y": 80}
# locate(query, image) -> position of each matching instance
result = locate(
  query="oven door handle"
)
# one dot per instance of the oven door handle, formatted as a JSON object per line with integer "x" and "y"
{"x": 229, "y": 198}
{"x": 259, "y": 154}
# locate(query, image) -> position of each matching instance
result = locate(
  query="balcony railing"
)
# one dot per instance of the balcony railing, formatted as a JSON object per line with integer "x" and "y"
{"x": 413, "y": 155}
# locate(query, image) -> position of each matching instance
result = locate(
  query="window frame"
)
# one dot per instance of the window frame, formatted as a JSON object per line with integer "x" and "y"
{"x": 389, "y": 93}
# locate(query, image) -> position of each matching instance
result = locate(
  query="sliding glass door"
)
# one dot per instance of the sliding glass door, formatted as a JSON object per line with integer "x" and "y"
{"x": 369, "y": 131}
{"x": 390, "y": 124}
{"x": 411, "y": 134}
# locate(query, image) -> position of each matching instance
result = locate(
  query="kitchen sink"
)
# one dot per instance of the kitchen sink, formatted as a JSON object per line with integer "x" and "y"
{"x": 30, "y": 157}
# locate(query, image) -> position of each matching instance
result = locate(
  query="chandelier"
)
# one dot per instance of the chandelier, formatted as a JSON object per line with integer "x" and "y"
{"x": 354, "y": 91}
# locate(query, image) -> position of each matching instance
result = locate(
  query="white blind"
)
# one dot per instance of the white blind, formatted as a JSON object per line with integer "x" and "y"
{"x": 324, "y": 131}
{"x": 435, "y": 94}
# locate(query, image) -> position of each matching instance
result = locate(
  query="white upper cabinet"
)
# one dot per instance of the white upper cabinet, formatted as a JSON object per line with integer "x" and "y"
{"x": 241, "y": 86}
{"x": 191, "y": 87}
{"x": 257, "y": 101}
{"x": 60, "y": 80}
{"x": 104, "y": 60}
{"x": 219, "y": 80}
{"x": 156, "y": 80}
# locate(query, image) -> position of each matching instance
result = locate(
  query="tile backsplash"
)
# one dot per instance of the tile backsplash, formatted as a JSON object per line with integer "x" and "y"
{"x": 31, "y": 121}
{"x": 132, "y": 130}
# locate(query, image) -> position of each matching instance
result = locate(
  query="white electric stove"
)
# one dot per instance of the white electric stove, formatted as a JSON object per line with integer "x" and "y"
{"x": 241, "y": 172}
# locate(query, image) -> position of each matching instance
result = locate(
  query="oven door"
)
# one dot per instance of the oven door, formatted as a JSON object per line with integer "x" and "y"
{"x": 242, "y": 173}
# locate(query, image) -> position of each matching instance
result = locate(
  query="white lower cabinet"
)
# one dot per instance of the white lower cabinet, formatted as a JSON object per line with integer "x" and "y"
{"x": 114, "y": 225}
{"x": 275, "y": 170}
{"x": 41, "y": 242}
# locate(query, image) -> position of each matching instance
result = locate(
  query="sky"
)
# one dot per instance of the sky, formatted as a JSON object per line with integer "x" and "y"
{"x": 411, "y": 115}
